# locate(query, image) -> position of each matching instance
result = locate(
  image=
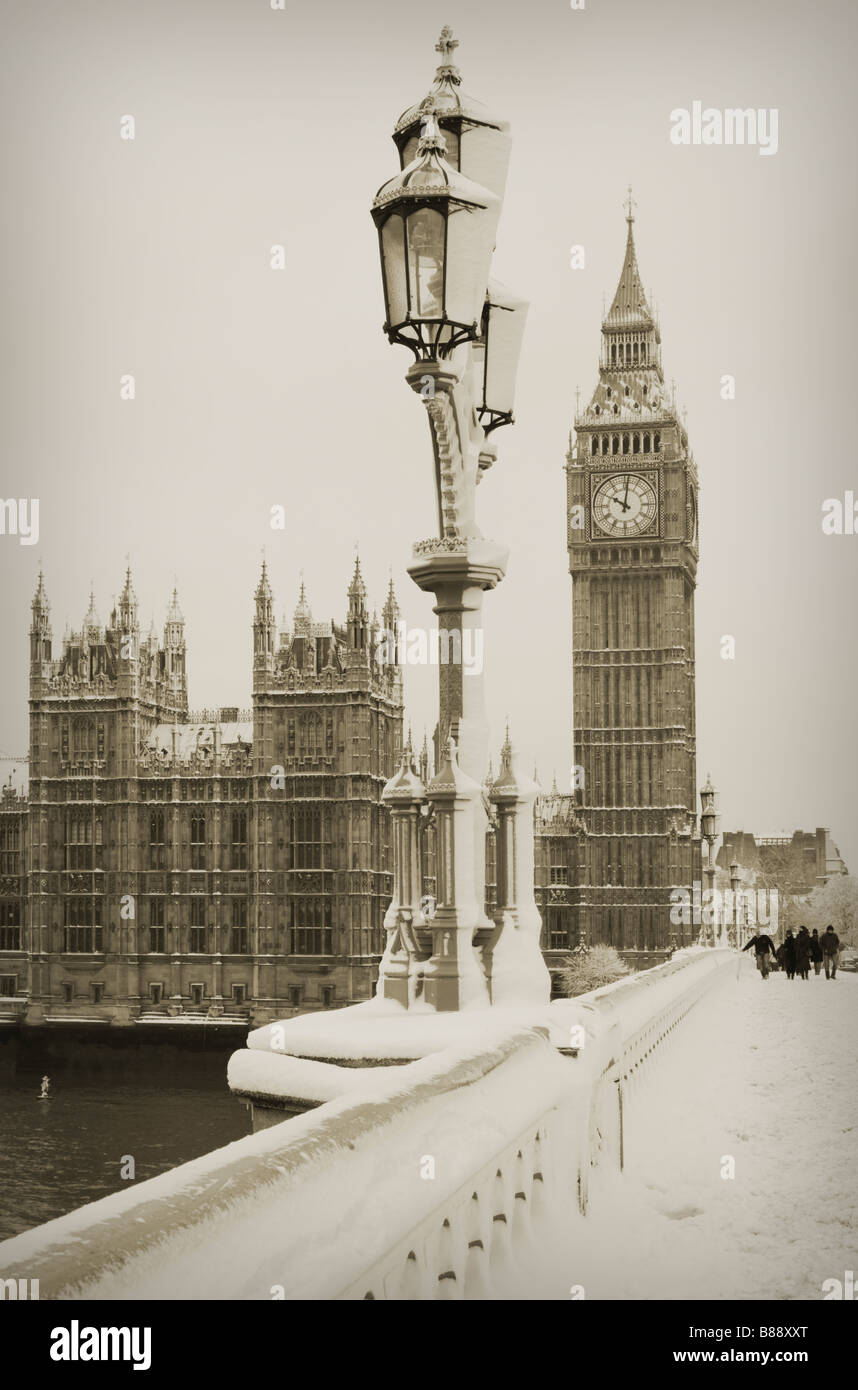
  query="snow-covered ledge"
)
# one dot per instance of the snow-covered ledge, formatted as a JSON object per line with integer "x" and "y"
{"x": 429, "y": 1181}
{"x": 317, "y": 1057}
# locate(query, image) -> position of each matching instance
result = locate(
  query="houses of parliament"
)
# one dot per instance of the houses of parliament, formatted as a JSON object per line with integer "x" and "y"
{"x": 237, "y": 865}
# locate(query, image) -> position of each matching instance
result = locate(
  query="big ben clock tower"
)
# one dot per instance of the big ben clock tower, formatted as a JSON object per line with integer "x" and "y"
{"x": 632, "y": 538}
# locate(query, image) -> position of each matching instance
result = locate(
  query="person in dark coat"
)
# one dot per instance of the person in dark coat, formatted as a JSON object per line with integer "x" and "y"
{"x": 816, "y": 951}
{"x": 802, "y": 953}
{"x": 763, "y": 947}
{"x": 786, "y": 955}
{"x": 830, "y": 943}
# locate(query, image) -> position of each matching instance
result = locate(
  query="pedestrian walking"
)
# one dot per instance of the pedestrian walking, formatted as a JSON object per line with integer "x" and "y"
{"x": 802, "y": 953}
{"x": 830, "y": 943}
{"x": 815, "y": 951}
{"x": 786, "y": 955}
{"x": 763, "y": 948}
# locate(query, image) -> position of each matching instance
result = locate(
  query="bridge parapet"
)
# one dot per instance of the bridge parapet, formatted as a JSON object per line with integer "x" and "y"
{"x": 428, "y": 1183}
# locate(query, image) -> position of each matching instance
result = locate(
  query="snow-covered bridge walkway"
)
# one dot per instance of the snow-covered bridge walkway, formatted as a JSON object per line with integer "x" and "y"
{"x": 766, "y": 1074}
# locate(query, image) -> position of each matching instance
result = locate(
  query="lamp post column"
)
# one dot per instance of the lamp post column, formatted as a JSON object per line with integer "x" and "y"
{"x": 709, "y": 820}
{"x": 437, "y": 224}
{"x": 735, "y": 881}
{"x": 517, "y": 969}
{"x": 398, "y": 976}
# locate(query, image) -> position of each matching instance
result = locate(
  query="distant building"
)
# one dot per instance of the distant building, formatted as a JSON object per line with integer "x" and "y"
{"x": 796, "y": 864}
{"x": 13, "y": 897}
{"x": 208, "y": 864}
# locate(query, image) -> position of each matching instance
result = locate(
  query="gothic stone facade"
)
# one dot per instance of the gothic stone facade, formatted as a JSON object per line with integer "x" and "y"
{"x": 223, "y": 864}
{"x": 633, "y": 548}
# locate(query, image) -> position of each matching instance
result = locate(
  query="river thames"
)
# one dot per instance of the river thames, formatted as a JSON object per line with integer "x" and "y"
{"x": 156, "y": 1104}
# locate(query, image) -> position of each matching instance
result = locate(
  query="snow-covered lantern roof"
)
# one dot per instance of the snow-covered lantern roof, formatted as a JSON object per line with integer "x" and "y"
{"x": 436, "y": 236}
{"x": 496, "y": 353}
{"x": 478, "y": 142}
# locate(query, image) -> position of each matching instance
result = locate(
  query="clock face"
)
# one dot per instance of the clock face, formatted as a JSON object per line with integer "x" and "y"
{"x": 625, "y": 505}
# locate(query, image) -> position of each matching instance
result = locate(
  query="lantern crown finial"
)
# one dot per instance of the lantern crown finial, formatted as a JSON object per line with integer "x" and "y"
{"x": 446, "y": 46}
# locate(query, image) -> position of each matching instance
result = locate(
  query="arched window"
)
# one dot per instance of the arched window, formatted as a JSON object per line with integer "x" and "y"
{"x": 604, "y": 443}
{"x": 594, "y": 444}
{"x": 613, "y": 354}
{"x": 656, "y": 446}
{"x": 643, "y": 357}
{"x": 636, "y": 444}
{"x": 615, "y": 444}
{"x": 609, "y": 393}
{"x": 646, "y": 443}
{"x": 635, "y": 352}
{"x": 598, "y": 410}
{"x": 625, "y": 443}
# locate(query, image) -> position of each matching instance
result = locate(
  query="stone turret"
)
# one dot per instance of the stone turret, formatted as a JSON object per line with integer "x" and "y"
{"x": 40, "y": 631}
{"x": 264, "y": 629}
{"x": 358, "y": 615}
{"x": 175, "y": 666}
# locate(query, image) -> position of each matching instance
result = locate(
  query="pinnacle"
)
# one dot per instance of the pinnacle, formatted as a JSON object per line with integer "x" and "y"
{"x": 91, "y": 619}
{"x": 357, "y": 588}
{"x": 629, "y": 304}
{"x": 128, "y": 589}
{"x": 263, "y": 588}
{"x": 174, "y": 612}
{"x": 41, "y": 598}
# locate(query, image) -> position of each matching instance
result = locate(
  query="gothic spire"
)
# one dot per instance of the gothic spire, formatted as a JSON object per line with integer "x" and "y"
{"x": 128, "y": 604}
{"x": 40, "y": 598}
{"x": 263, "y": 588}
{"x": 174, "y": 612}
{"x": 302, "y": 617}
{"x": 91, "y": 622}
{"x": 629, "y": 308}
{"x": 390, "y": 611}
{"x": 357, "y": 588}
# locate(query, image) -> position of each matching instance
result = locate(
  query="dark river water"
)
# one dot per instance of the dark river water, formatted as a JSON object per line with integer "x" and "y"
{"x": 162, "y": 1104}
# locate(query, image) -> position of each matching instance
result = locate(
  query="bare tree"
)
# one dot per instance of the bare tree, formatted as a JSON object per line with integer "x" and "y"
{"x": 836, "y": 902}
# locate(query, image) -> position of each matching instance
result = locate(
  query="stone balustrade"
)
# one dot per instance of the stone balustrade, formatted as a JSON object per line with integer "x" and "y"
{"x": 430, "y": 1182}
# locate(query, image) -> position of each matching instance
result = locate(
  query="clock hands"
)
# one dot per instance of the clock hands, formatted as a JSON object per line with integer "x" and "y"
{"x": 620, "y": 511}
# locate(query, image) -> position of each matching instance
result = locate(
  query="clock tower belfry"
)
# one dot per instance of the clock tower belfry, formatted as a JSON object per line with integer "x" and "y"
{"x": 633, "y": 548}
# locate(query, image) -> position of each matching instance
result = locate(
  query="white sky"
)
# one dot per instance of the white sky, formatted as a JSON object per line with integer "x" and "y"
{"x": 257, "y": 127}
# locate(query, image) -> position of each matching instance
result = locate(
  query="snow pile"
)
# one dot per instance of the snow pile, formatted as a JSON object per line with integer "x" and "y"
{"x": 266, "y": 1076}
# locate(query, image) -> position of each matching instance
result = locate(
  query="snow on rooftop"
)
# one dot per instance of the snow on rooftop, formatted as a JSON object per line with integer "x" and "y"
{"x": 193, "y": 738}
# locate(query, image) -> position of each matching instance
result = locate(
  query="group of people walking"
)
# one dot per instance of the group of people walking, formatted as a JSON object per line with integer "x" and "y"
{"x": 796, "y": 954}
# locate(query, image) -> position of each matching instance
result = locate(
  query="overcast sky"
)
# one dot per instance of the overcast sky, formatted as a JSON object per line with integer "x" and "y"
{"x": 255, "y": 387}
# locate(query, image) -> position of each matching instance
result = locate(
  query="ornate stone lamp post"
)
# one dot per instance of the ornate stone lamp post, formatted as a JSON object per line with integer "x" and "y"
{"x": 436, "y": 221}
{"x": 734, "y": 926}
{"x": 709, "y": 829}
